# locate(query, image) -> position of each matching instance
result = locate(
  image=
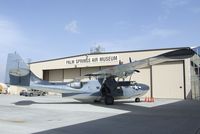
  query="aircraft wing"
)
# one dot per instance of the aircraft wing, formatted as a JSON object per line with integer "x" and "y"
{"x": 125, "y": 70}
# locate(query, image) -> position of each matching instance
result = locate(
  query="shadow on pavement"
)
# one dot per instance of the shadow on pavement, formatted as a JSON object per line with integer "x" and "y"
{"x": 181, "y": 117}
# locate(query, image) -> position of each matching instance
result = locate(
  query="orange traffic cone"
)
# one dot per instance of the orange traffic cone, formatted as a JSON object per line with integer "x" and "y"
{"x": 150, "y": 99}
{"x": 145, "y": 100}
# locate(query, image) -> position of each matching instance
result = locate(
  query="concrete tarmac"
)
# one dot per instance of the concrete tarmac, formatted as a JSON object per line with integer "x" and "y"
{"x": 57, "y": 115}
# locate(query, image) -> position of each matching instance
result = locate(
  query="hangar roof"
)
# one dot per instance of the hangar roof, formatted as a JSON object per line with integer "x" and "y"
{"x": 108, "y": 53}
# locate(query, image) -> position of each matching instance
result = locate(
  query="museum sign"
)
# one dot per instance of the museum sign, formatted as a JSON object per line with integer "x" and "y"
{"x": 93, "y": 59}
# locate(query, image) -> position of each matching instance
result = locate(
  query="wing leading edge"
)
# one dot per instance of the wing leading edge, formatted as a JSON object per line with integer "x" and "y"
{"x": 129, "y": 68}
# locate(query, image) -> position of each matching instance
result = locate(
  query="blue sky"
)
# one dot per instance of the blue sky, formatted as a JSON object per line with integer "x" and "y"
{"x": 44, "y": 29}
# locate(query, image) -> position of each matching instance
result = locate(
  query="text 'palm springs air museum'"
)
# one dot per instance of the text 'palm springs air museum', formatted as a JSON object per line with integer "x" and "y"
{"x": 175, "y": 79}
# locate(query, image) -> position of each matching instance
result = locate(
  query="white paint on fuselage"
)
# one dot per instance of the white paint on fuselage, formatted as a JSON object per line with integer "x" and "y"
{"x": 90, "y": 90}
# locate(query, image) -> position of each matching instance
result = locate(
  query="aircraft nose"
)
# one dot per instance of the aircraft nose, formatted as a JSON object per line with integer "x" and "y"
{"x": 144, "y": 87}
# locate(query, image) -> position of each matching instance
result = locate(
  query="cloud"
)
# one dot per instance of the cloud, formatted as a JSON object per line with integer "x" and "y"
{"x": 72, "y": 27}
{"x": 122, "y": 24}
{"x": 195, "y": 10}
{"x": 10, "y": 35}
{"x": 174, "y": 3}
{"x": 163, "y": 33}
{"x": 169, "y": 5}
{"x": 149, "y": 39}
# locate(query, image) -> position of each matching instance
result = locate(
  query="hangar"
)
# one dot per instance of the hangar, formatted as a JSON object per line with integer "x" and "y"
{"x": 175, "y": 79}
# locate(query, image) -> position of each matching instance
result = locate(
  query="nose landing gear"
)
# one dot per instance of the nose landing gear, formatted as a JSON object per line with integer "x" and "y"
{"x": 137, "y": 99}
{"x": 109, "y": 100}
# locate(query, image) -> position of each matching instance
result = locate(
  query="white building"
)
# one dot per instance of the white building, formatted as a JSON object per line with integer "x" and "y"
{"x": 177, "y": 79}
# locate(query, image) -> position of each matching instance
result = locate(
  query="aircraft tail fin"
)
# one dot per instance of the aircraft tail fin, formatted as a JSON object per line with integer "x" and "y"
{"x": 17, "y": 71}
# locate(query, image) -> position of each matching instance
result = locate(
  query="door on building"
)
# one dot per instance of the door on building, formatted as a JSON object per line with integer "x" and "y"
{"x": 168, "y": 80}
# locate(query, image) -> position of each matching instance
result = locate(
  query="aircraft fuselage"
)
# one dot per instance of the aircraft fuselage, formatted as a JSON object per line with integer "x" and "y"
{"x": 91, "y": 90}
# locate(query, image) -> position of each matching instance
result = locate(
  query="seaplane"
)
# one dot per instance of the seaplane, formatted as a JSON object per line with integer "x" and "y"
{"x": 109, "y": 84}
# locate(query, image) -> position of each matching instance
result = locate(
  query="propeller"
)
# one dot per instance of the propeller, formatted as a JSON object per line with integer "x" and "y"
{"x": 137, "y": 71}
{"x": 130, "y": 60}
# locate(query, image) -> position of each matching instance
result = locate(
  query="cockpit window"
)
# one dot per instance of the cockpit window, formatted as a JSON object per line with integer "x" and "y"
{"x": 76, "y": 84}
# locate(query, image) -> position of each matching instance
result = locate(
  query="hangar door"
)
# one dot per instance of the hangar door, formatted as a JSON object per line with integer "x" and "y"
{"x": 56, "y": 75}
{"x": 168, "y": 80}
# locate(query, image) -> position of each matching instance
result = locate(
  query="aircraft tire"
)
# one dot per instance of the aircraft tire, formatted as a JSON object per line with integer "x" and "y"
{"x": 137, "y": 99}
{"x": 109, "y": 100}
{"x": 97, "y": 101}
{"x": 43, "y": 94}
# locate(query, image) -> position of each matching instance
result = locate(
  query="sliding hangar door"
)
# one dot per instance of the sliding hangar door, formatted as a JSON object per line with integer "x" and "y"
{"x": 165, "y": 80}
{"x": 67, "y": 75}
{"x": 168, "y": 80}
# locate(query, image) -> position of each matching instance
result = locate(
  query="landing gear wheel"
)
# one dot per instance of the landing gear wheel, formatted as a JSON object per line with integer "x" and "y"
{"x": 137, "y": 99}
{"x": 109, "y": 100}
{"x": 97, "y": 101}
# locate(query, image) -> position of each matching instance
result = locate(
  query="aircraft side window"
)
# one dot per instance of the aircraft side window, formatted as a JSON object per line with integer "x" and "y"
{"x": 76, "y": 85}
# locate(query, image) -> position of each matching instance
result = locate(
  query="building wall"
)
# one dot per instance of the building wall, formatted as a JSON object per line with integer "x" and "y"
{"x": 166, "y": 80}
{"x": 143, "y": 77}
{"x": 38, "y": 67}
{"x": 188, "y": 86}
{"x": 195, "y": 76}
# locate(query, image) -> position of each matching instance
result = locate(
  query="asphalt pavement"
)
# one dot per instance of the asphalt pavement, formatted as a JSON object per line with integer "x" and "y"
{"x": 57, "y": 115}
